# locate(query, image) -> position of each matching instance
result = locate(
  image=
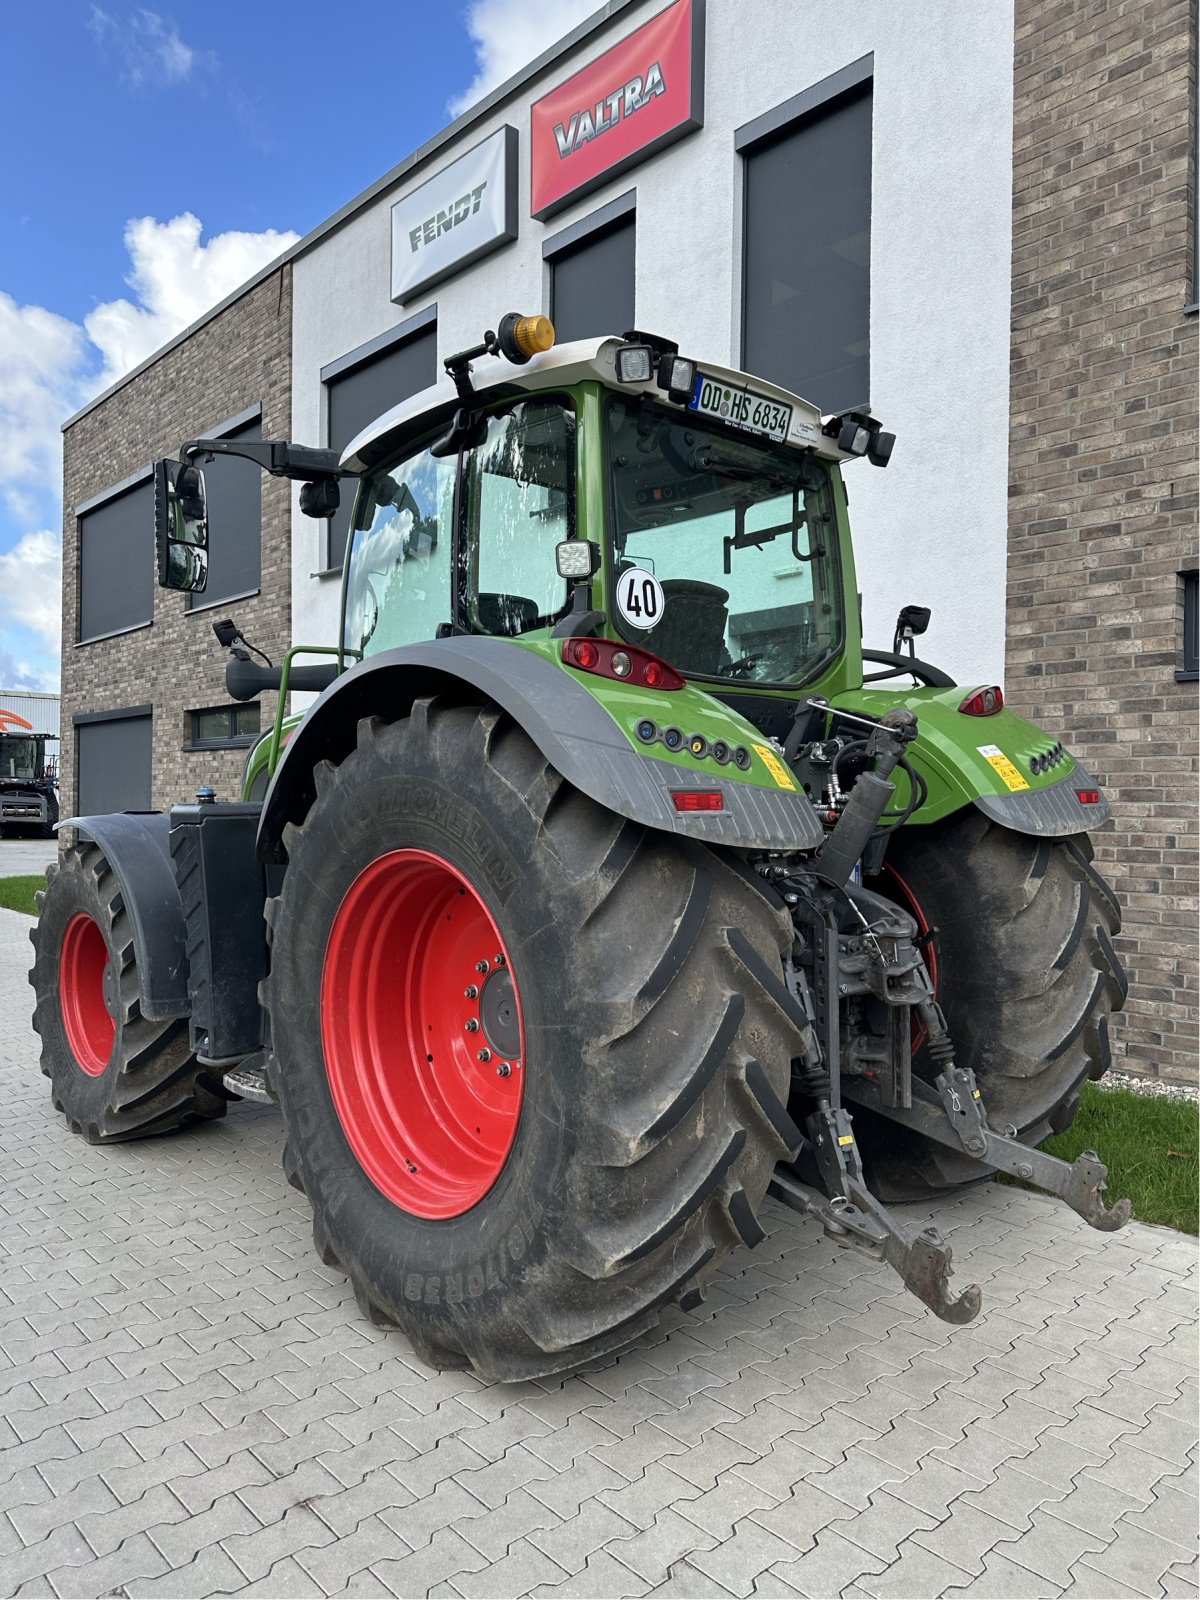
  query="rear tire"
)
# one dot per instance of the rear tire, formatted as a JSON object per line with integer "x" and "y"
{"x": 656, "y": 1041}
{"x": 1026, "y": 974}
{"x": 113, "y": 1074}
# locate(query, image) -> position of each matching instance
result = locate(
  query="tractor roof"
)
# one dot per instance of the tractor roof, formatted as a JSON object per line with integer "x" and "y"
{"x": 585, "y": 359}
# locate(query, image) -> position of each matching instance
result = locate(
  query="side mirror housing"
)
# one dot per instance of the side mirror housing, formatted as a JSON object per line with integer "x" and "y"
{"x": 180, "y": 527}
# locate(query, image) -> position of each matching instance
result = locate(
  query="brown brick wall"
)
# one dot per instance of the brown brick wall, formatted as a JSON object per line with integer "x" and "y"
{"x": 241, "y": 358}
{"x": 1103, "y": 460}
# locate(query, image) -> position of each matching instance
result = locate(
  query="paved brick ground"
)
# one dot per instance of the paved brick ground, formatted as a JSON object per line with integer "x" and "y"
{"x": 190, "y": 1404}
{"x": 21, "y": 857}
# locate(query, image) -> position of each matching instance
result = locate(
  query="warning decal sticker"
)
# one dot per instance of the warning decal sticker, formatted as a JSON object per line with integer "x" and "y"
{"x": 775, "y": 767}
{"x": 996, "y": 758}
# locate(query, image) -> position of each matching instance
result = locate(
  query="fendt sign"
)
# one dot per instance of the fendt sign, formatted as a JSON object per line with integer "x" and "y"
{"x": 637, "y": 97}
{"x": 458, "y": 215}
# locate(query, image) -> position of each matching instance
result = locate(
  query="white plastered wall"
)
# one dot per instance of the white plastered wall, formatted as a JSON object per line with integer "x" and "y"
{"x": 932, "y": 528}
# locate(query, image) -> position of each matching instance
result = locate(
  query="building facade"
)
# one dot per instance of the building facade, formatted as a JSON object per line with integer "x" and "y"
{"x": 980, "y": 221}
{"x": 1102, "y": 551}
{"x": 146, "y": 719}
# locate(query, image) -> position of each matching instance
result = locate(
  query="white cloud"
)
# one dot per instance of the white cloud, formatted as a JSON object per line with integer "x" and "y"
{"x": 42, "y": 357}
{"x": 508, "y": 34}
{"x": 16, "y": 674}
{"x": 49, "y": 366}
{"x": 147, "y": 47}
{"x": 31, "y": 583}
{"x": 176, "y": 279}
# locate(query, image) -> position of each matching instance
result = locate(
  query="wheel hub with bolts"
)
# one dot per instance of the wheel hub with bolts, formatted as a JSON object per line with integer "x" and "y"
{"x": 417, "y": 1004}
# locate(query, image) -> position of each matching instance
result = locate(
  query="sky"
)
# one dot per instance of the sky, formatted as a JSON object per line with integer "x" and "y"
{"x": 153, "y": 158}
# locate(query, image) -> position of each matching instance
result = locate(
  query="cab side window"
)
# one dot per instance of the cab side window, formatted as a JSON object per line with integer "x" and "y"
{"x": 519, "y": 485}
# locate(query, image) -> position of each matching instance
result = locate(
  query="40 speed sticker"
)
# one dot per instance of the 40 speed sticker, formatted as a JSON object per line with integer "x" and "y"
{"x": 996, "y": 758}
{"x": 640, "y": 598}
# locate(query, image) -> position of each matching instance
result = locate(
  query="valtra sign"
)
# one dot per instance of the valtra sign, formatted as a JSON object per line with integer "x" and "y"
{"x": 631, "y": 101}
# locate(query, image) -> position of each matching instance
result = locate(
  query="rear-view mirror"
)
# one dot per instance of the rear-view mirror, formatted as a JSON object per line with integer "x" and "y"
{"x": 180, "y": 527}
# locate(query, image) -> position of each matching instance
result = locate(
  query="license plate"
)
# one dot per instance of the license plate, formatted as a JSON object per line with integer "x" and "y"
{"x": 740, "y": 408}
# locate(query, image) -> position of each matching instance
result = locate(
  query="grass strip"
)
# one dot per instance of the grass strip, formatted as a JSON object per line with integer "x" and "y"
{"x": 16, "y": 894}
{"x": 1151, "y": 1147}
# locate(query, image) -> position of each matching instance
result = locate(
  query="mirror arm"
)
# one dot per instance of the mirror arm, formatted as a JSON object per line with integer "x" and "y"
{"x": 276, "y": 456}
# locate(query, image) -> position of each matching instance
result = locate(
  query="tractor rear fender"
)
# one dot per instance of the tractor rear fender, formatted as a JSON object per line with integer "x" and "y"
{"x": 136, "y": 847}
{"x": 989, "y": 762}
{"x": 571, "y": 728}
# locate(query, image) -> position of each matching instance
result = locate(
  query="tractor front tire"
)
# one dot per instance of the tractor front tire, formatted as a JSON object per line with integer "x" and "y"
{"x": 114, "y": 1074}
{"x": 1026, "y": 975}
{"x": 532, "y": 1059}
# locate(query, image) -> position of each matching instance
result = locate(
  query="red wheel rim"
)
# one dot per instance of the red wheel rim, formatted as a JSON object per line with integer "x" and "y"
{"x": 422, "y": 1032}
{"x": 83, "y": 971}
{"x": 905, "y": 897}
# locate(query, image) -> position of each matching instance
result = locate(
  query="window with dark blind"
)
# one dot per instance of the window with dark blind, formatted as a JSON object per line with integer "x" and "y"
{"x": 364, "y": 392}
{"x": 592, "y": 284}
{"x": 113, "y": 763}
{"x": 233, "y": 488}
{"x": 1189, "y": 661}
{"x": 806, "y": 283}
{"x": 116, "y": 564}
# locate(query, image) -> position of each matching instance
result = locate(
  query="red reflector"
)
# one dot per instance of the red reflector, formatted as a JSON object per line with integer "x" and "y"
{"x": 984, "y": 702}
{"x": 585, "y": 654}
{"x": 698, "y": 799}
{"x": 1088, "y": 797}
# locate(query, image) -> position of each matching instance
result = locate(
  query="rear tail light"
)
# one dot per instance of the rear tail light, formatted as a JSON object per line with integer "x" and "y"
{"x": 625, "y": 663}
{"x": 1088, "y": 797}
{"x": 984, "y": 702}
{"x": 698, "y": 799}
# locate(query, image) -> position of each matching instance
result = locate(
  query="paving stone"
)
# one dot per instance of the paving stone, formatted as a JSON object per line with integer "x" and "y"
{"x": 344, "y": 1510}
{"x": 1182, "y": 1579}
{"x": 934, "y": 1486}
{"x": 915, "y": 1574}
{"x": 707, "y": 1463}
{"x": 568, "y": 1492}
{"x": 749, "y": 1550}
{"x": 856, "y": 1479}
{"x": 670, "y": 1538}
{"x": 287, "y": 1580}
{"x": 734, "y": 1497}
{"x": 570, "y": 1544}
{"x": 685, "y": 1582}
{"x": 448, "y": 1506}
{"x": 829, "y": 1568}
{"x": 1135, "y": 1554}
{"x": 199, "y": 1490}
{"x": 183, "y": 1542}
{"x": 135, "y": 1558}
{"x": 332, "y": 1565}
{"x": 1050, "y": 1547}
{"x": 885, "y": 1524}
{"x": 210, "y": 1572}
{"x": 606, "y": 1578}
{"x": 497, "y": 1530}
{"x": 491, "y": 1482}
{"x": 641, "y": 1502}
{"x": 522, "y": 1569}
{"x": 1002, "y": 1579}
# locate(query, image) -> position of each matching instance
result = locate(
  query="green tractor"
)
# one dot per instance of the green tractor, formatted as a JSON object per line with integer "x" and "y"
{"x": 607, "y": 884}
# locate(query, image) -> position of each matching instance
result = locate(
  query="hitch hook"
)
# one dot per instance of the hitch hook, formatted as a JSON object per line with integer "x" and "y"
{"x": 925, "y": 1268}
{"x": 1084, "y": 1192}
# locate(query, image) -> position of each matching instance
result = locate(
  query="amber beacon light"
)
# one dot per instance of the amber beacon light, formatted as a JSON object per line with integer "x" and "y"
{"x": 522, "y": 337}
